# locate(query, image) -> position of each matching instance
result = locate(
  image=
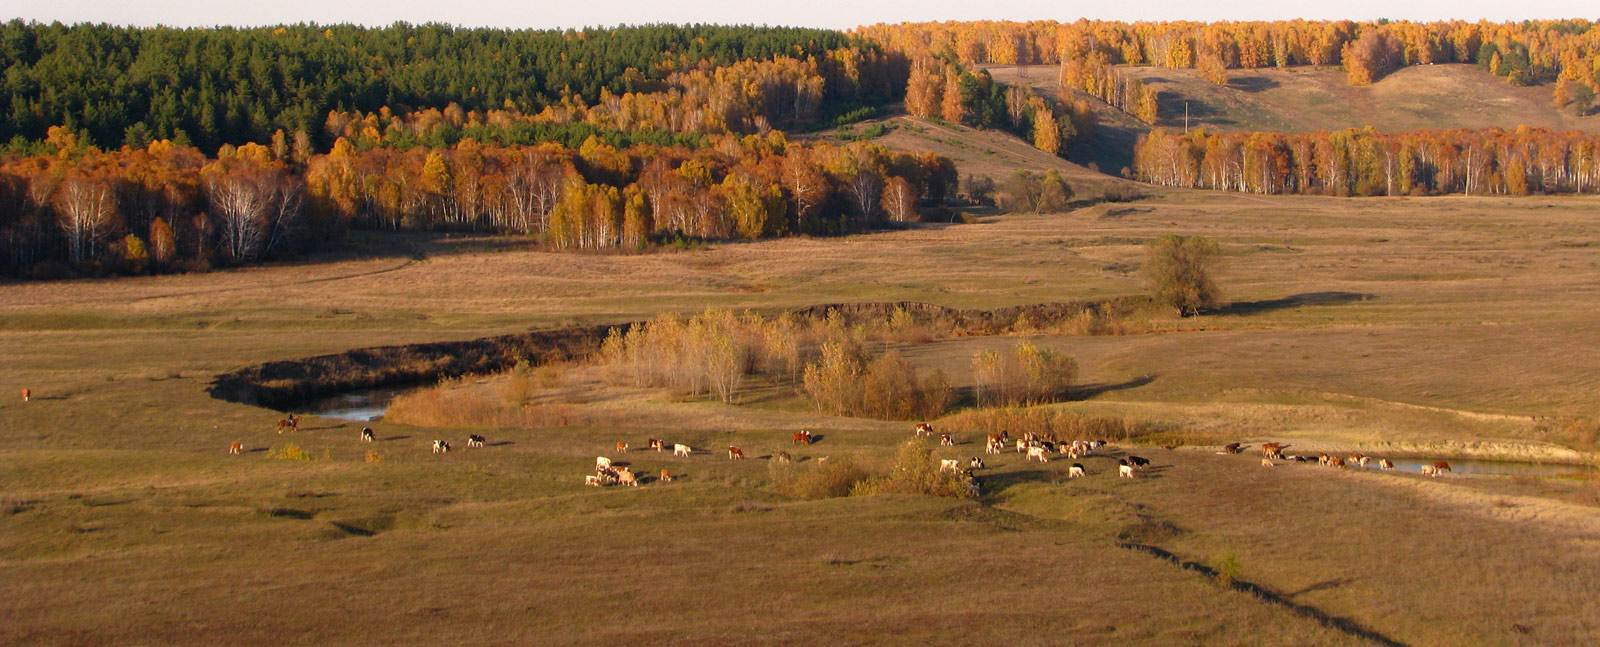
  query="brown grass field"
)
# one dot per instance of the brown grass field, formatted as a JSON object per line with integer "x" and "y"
{"x": 1413, "y": 326}
{"x": 1311, "y": 99}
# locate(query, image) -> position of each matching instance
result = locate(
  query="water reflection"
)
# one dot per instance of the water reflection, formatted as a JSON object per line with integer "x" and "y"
{"x": 360, "y": 406}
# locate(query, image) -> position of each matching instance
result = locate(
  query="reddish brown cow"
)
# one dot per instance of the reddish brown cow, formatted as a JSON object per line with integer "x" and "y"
{"x": 666, "y": 477}
{"x": 945, "y": 441}
{"x": 27, "y": 395}
{"x": 802, "y": 438}
{"x": 656, "y": 444}
{"x": 622, "y": 448}
{"x": 924, "y": 429}
{"x": 1272, "y": 450}
{"x": 1336, "y": 462}
{"x": 235, "y": 448}
{"x": 1440, "y": 467}
{"x": 735, "y": 453}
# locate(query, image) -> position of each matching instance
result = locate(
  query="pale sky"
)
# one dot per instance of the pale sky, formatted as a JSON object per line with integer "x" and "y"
{"x": 839, "y": 14}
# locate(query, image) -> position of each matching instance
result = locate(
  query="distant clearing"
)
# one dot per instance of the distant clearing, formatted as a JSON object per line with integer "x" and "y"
{"x": 1306, "y": 99}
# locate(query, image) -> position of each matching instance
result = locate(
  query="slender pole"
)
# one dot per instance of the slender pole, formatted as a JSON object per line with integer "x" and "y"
{"x": 1186, "y": 117}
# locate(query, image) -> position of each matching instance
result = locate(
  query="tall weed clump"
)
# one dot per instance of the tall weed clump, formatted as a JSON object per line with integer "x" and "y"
{"x": 915, "y": 471}
{"x": 707, "y": 354}
{"x": 290, "y": 452}
{"x": 818, "y": 480}
{"x": 1026, "y": 374}
{"x": 846, "y": 381}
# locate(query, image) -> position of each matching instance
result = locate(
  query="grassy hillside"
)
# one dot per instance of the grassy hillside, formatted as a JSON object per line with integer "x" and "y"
{"x": 1306, "y": 99}
{"x": 1416, "y": 325}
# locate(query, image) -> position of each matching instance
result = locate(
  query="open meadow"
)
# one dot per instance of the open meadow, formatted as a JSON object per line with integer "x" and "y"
{"x": 1413, "y": 326}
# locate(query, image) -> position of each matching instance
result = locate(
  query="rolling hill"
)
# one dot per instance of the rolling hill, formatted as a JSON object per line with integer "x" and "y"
{"x": 1306, "y": 99}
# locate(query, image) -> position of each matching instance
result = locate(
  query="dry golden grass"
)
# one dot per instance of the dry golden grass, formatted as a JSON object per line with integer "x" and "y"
{"x": 1306, "y": 99}
{"x": 125, "y": 522}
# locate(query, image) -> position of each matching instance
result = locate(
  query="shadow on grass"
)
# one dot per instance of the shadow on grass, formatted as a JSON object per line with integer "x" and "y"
{"x": 1321, "y": 586}
{"x": 354, "y": 531}
{"x": 997, "y": 483}
{"x": 1089, "y": 391}
{"x": 1343, "y": 625}
{"x": 1252, "y": 84}
{"x": 1294, "y": 301}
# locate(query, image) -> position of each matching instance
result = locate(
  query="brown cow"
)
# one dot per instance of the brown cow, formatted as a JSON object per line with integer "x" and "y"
{"x": 622, "y": 447}
{"x": 27, "y": 395}
{"x": 656, "y": 444}
{"x": 235, "y": 448}
{"x": 802, "y": 438}
{"x": 924, "y": 429}
{"x": 1335, "y": 461}
{"x": 666, "y": 477}
{"x": 1385, "y": 464}
{"x": 282, "y": 425}
{"x": 735, "y": 453}
{"x": 945, "y": 441}
{"x": 1441, "y": 467}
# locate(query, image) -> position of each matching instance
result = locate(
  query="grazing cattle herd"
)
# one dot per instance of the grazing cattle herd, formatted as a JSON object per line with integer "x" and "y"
{"x": 1034, "y": 447}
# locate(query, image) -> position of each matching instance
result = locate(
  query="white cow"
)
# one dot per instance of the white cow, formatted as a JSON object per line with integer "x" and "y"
{"x": 681, "y": 450}
{"x": 602, "y": 463}
{"x": 1039, "y": 454}
{"x": 1125, "y": 470}
{"x": 1075, "y": 471}
{"x": 951, "y": 466}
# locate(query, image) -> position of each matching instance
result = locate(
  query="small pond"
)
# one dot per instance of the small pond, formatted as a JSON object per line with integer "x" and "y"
{"x": 365, "y": 405}
{"x": 1488, "y": 467}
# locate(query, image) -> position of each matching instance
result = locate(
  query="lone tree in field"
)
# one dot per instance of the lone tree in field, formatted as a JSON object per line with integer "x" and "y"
{"x": 1178, "y": 269}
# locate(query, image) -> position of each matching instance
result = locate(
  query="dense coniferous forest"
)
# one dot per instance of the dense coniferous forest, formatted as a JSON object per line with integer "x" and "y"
{"x": 208, "y": 87}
